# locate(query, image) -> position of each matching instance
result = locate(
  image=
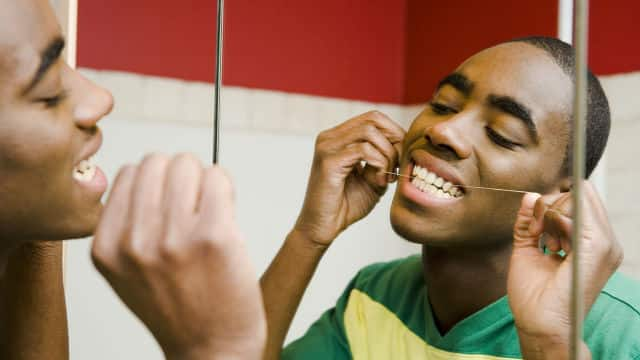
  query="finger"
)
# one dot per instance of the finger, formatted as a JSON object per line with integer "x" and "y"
{"x": 366, "y": 131}
{"x": 216, "y": 204}
{"x": 181, "y": 191}
{"x": 355, "y": 129}
{"x": 541, "y": 206}
{"x": 521, "y": 235}
{"x": 374, "y": 136}
{"x": 114, "y": 218}
{"x": 146, "y": 215}
{"x": 551, "y": 243}
{"x": 392, "y": 130}
{"x": 376, "y": 162}
{"x": 559, "y": 227}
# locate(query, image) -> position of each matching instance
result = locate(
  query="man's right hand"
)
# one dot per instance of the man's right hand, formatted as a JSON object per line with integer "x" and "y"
{"x": 341, "y": 191}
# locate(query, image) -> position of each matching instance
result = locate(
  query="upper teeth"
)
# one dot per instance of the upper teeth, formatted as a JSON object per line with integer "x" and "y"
{"x": 84, "y": 171}
{"x": 429, "y": 182}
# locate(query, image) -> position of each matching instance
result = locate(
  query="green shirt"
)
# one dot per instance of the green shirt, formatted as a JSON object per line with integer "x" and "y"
{"x": 384, "y": 314}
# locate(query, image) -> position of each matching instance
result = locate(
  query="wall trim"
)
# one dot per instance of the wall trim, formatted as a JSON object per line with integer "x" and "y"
{"x": 157, "y": 99}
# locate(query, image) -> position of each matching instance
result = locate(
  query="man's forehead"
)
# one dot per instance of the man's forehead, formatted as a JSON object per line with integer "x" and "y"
{"x": 521, "y": 71}
{"x": 26, "y": 28}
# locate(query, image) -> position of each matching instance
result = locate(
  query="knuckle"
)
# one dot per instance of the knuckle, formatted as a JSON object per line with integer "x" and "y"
{"x": 216, "y": 237}
{"x": 370, "y": 130}
{"x": 171, "y": 253}
{"x": 220, "y": 177}
{"x": 98, "y": 256}
{"x": 133, "y": 254}
{"x": 127, "y": 170}
{"x": 153, "y": 158}
{"x": 615, "y": 254}
{"x": 187, "y": 158}
{"x": 220, "y": 180}
{"x": 375, "y": 114}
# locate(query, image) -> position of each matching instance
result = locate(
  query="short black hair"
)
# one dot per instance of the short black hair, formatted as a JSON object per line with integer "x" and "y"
{"x": 598, "y": 115}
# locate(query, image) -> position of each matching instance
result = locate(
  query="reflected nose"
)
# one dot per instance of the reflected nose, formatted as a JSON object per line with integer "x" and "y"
{"x": 448, "y": 137}
{"x": 94, "y": 103}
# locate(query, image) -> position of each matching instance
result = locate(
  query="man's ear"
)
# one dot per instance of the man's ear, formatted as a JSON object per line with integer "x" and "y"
{"x": 565, "y": 184}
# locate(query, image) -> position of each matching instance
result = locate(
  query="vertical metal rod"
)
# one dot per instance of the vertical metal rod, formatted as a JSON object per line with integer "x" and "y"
{"x": 579, "y": 134}
{"x": 218, "y": 83}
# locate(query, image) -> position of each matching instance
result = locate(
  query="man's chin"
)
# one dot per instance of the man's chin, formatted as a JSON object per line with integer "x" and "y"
{"x": 79, "y": 227}
{"x": 419, "y": 230}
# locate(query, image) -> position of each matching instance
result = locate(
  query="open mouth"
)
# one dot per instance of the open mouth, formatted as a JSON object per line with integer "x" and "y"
{"x": 85, "y": 171}
{"x": 431, "y": 183}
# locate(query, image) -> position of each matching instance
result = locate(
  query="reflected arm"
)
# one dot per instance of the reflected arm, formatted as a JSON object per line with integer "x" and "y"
{"x": 284, "y": 284}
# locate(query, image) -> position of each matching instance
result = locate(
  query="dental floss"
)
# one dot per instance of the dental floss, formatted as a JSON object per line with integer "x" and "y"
{"x": 464, "y": 186}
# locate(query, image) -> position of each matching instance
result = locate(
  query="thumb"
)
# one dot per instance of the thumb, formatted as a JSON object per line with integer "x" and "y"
{"x": 522, "y": 237}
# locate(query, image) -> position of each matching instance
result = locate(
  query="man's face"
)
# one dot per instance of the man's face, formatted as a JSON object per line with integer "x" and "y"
{"x": 500, "y": 121}
{"x": 48, "y": 117}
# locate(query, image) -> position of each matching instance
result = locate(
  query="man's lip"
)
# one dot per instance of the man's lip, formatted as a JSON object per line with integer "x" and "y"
{"x": 92, "y": 147}
{"x": 434, "y": 164}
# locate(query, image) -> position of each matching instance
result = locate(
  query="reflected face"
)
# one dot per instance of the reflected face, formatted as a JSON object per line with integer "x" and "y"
{"x": 500, "y": 120}
{"x": 48, "y": 126}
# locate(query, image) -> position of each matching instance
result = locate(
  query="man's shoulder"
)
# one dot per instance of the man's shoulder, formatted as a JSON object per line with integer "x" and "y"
{"x": 383, "y": 275}
{"x": 613, "y": 322}
{"x": 623, "y": 293}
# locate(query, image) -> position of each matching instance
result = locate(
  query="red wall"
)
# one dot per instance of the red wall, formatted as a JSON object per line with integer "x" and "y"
{"x": 443, "y": 34}
{"x": 614, "y": 36}
{"x": 351, "y": 49}
{"x": 373, "y": 50}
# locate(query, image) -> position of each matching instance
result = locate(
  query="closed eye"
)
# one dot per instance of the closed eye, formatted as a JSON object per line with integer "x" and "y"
{"x": 500, "y": 140}
{"x": 53, "y": 101}
{"x": 441, "y": 109}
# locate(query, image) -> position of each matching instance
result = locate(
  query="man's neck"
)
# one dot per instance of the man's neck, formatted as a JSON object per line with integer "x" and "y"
{"x": 462, "y": 282}
{"x": 6, "y": 250}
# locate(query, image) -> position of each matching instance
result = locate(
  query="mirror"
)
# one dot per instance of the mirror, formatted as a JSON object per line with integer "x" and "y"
{"x": 291, "y": 70}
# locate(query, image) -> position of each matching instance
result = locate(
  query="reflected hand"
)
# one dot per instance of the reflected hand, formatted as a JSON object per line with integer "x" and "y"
{"x": 539, "y": 285}
{"x": 341, "y": 191}
{"x": 169, "y": 246}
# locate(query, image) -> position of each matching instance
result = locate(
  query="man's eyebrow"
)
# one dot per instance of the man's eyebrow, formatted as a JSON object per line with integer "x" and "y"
{"x": 47, "y": 58}
{"x": 458, "y": 81}
{"x": 510, "y": 106}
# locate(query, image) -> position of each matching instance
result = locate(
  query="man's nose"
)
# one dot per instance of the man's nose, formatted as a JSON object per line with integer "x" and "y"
{"x": 94, "y": 103}
{"x": 449, "y": 136}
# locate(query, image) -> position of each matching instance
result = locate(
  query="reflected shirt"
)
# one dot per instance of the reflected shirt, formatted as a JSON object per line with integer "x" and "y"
{"x": 384, "y": 314}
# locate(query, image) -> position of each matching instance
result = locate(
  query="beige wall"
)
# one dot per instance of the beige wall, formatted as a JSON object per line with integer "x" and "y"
{"x": 622, "y": 167}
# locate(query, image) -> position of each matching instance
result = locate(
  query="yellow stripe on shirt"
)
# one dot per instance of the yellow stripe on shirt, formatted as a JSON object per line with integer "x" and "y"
{"x": 375, "y": 333}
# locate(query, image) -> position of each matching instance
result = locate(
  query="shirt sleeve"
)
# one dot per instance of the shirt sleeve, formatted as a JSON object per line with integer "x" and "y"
{"x": 326, "y": 339}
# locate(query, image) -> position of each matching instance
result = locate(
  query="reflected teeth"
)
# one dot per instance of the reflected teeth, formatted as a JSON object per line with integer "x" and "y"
{"x": 431, "y": 183}
{"x": 84, "y": 171}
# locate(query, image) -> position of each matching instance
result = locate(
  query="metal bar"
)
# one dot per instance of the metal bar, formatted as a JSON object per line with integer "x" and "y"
{"x": 578, "y": 171}
{"x": 218, "y": 83}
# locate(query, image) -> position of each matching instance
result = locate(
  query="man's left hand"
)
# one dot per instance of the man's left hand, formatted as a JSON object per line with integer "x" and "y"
{"x": 539, "y": 283}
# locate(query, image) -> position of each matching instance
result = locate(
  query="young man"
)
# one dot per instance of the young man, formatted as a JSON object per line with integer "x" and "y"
{"x": 167, "y": 241}
{"x": 500, "y": 120}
